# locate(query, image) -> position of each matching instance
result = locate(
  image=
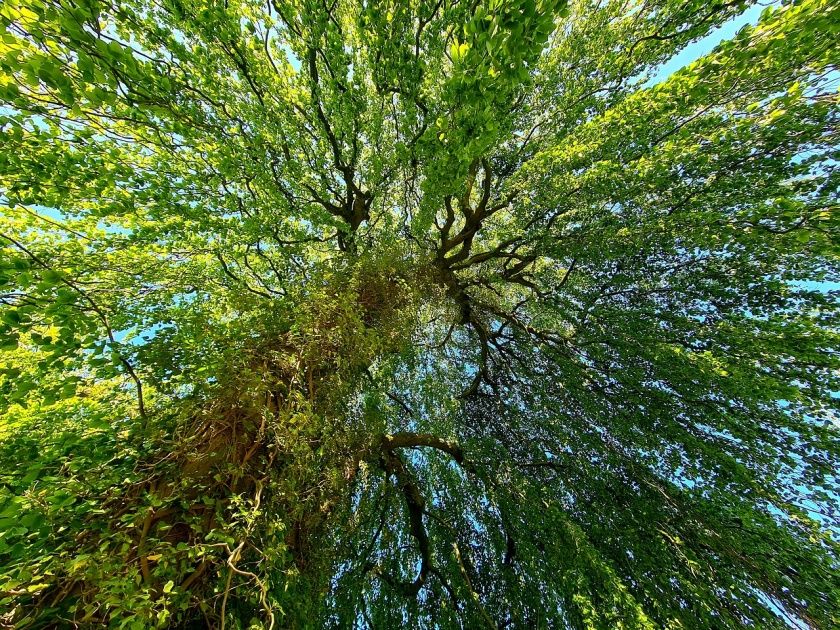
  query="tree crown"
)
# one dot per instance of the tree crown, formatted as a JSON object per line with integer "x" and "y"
{"x": 326, "y": 313}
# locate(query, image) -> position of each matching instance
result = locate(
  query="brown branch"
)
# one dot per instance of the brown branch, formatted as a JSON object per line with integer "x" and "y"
{"x": 102, "y": 317}
{"x": 238, "y": 280}
{"x": 413, "y": 440}
{"x": 415, "y": 504}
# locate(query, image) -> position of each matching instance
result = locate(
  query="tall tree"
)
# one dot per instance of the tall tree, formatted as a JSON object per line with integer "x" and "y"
{"x": 318, "y": 313}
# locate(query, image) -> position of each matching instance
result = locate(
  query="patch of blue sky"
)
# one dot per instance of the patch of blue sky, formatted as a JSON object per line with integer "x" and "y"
{"x": 290, "y": 55}
{"x": 59, "y": 217}
{"x": 823, "y": 286}
{"x": 52, "y": 213}
{"x": 707, "y": 44}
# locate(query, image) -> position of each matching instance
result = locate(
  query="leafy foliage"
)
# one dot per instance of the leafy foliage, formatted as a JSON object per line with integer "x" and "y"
{"x": 436, "y": 314}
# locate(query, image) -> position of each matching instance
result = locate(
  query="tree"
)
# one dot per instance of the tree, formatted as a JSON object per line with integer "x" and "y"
{"x": 422, "y": 314}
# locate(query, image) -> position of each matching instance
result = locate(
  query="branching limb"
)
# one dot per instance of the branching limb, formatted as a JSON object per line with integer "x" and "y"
{"x": 129, "y": 368}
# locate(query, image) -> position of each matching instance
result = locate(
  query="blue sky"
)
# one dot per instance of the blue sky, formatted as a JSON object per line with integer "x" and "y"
{"x": 706, "y": 44}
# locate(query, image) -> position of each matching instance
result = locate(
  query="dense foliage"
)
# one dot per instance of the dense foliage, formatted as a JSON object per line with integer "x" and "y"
{"x": 319, "y": 313}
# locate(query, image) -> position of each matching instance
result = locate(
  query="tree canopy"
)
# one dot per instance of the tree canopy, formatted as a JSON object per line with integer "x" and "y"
{"x": 403, "y": 313}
